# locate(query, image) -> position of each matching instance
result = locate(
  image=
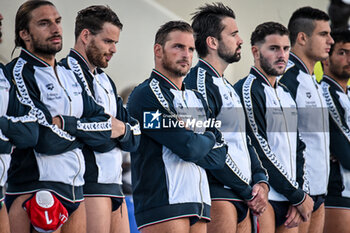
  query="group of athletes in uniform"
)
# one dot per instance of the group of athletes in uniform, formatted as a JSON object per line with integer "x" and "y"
{"x": 270, "y": 153}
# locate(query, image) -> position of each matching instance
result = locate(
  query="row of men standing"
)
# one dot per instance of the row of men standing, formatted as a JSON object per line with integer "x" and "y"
{"x": 256, "y": 162}
{"x": 278, "y": 146}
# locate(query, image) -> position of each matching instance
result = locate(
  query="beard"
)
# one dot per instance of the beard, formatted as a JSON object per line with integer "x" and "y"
{"x": 338, "y": 71}
{"x": 171, "y": 68}
{"x": 46, "y": 48}
{"x": 95, "y": 57}
{"x": 267, "y": 67}
{"x": 228, "y": 57}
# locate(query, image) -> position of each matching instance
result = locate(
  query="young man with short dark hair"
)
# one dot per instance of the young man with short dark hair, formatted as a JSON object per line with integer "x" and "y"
{"x": 272, "y": 126}
{"x": 170, "y": 186}
{"x": 311, "y": 41}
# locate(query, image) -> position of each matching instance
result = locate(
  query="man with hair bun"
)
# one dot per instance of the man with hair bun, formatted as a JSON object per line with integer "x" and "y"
{"x": 242, "y": 183}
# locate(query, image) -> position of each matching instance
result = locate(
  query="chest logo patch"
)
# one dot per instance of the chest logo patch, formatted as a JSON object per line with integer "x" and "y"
{"x": 308, "y": 94}
{"x": 50, "y": 86}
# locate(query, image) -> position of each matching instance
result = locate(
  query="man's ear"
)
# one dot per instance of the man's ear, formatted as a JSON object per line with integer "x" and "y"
{"x": 255, "y": 52}
{"x": 212, "y": 42}
{"x": 85, "y": 35}
{"x": 24, "y": 34}
{"x": 158, "y": 50}
{"x": 302, "y": 38}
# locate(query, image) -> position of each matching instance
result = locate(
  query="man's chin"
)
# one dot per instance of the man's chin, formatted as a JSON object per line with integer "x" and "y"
{"x": 104, "y": 65}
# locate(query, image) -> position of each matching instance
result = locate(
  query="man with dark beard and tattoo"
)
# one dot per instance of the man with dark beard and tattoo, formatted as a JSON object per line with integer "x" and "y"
{"x": 272, "y": 125}
{"x": 45, "y": 183}
{"x": 170, "y": 186}
{"x": 97, "y": 30}
{"x": 242, "y": 183}
{"x": 335, "y": 90}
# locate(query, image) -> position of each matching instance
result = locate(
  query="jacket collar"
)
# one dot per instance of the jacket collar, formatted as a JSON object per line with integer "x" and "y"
{"x": 257, "y": 73}
{"x": 165, "y": 81}
{"x": 209, "y": 68}
{"x": 81, "y": 60}
{"x": 33, "y": 59}
{"x": 298, "y": 62}
{"x": 332, "y": 82}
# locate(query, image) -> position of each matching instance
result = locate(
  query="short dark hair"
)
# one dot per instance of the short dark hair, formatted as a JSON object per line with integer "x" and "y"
{"x": 339, "y": 36}
{"x": 93, "y": 18}
{"x": 265, "y": 29}
{"x": 207, "y": 21}
{"x": 302, "y": 20}
{"x": 165, "y": 29}
{"x": 23, "y": 17}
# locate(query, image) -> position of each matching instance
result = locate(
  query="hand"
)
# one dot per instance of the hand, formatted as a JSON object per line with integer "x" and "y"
{"x": 305, "y": 209}
{"x": 118, "y": 128}
{"x": 57, "y": 121}
{"x": 259, "y": 203}
{"x": 293, "y": 217}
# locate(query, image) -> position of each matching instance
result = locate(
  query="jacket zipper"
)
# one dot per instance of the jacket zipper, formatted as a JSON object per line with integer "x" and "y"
{"x": 65, "y": 91}
{"x": 109, "y": 98}
{"x": 324, "y": 134}
{"x": 75, "y": 177}
{"x": 199, "y": 169}
{"x": 70, "y": 112}
{"x": 285, "y": 123}
{"x": 4, "y": 170}
{"x": 240, "y": 129}
{"x": 200, "y": 192}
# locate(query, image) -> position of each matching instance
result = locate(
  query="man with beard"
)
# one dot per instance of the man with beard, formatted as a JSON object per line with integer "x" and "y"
{"x": 170, "y": 186}
{"x": 311, "y": 41}
{"x": 45, "y": 184}
{"x": 97, "y": 30}
{"x": 243, "y": 181}
{"x": 335, "y": 89}
{"x": 272, "y": 126}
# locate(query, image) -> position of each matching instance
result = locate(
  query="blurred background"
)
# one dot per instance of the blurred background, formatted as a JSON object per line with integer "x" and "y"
{"x": 141, "y": 18}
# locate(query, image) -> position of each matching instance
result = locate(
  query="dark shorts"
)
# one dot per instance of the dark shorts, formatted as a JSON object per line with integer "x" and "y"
{"x": 193, "y": 211}
{"x": 281, "y": 209}
{"x": 114, "y": 191}
{"x": 70, "y": 206}
{"x": 318, "y": 200}
{"x": 116, "y": 201}
{"x": 97, "y": 189}
{"x": 219, "y": 193}
{"x": 241, "y": 208}
{"x": 337, "y": 202}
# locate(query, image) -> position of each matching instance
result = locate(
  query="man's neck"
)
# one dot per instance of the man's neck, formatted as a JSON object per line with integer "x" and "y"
{"x": 309, "y": 63}
{"x": 175, "y": 79}
{"x": 270, "y": 78}
{"x": 216, "y": 62}
{"x": 81, "y": 51}
{"x": 342, "y": 82}
{"x": 48, "y": 58}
